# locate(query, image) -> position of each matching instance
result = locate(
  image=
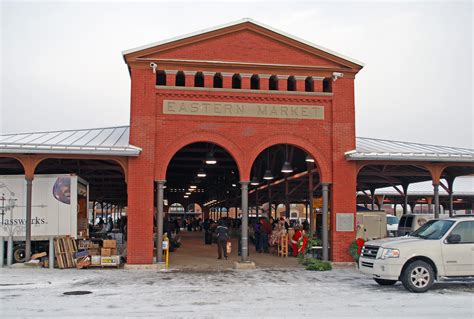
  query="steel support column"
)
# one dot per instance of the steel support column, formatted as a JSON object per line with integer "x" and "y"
{"x": 310, "y": 200}
{"x": 245, "y": 221}
{"x": 436, "y": 200}
{"x": 159, "y": 221}
{"x": 29, "y": 188}
{"x": 325, "y": 235}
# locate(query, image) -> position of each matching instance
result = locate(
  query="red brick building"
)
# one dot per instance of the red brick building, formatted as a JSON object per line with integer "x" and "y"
{"x": 204, "y": 87}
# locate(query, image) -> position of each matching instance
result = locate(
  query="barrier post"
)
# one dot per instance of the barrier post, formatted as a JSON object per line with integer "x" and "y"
{"x": 2, "y": 251}
{"x": 10, "y": 251}
{"x": 51, "y": 252}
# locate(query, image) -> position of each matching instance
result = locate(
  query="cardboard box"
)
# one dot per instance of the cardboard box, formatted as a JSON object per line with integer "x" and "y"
{"x": 95, "y": 260}
{"x": 106, "y": 252}
{"x": 93, "y": 252}
{"x": 109, "y": 243}
{"x": 110, "y": 261}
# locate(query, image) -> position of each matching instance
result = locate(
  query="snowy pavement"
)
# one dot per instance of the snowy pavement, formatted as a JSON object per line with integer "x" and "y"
{"x": 272, "y": 293}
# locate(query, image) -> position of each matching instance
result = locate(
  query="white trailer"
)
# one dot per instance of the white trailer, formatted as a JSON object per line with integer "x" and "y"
{"x": 59, "y": 208}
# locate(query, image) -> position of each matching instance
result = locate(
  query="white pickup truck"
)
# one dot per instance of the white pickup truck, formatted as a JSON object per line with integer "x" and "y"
{"x": 439, "y": 249}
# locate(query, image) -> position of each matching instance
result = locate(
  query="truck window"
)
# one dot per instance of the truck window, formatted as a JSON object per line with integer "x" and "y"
{"x": 466, "y": 231}
{"x": 433, "y": 229}
{"x": 392, "y": 220}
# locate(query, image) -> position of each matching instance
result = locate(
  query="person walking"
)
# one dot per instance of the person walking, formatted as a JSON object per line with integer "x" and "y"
{"x": 223, "y": 236}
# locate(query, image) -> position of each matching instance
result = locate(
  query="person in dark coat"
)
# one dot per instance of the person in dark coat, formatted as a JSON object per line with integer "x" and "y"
{"x": 222, "y": 236}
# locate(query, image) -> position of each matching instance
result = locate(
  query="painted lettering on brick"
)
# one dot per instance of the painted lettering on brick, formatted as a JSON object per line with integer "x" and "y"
{"x": 178, "y": 107}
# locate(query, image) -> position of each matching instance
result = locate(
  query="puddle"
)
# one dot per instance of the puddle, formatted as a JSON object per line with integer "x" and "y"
{"x": 77, "y": 292}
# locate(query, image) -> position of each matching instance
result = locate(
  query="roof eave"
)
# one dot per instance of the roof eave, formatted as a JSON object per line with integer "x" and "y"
{"x": 230, "y": 24}
{"x": 378, "y": 157}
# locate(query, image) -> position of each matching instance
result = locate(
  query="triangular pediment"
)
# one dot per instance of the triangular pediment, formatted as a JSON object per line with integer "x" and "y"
{"x": 245, "y": 42}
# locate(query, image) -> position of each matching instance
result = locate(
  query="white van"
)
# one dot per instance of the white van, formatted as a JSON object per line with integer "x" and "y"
{"x": 392, "y": 225}
{"x": 411, "y": 222}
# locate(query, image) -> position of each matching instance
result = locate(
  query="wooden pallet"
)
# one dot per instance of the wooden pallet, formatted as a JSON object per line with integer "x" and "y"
{"x": 64, "y": 251}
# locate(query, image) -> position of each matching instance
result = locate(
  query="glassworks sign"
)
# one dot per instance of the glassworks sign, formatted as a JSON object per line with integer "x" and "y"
{"x": 310, "y": 112}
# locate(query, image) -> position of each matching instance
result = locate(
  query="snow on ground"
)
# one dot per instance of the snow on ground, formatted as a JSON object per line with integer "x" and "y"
{"x": 341, "y": 293}
{"x": 262, "y": 293}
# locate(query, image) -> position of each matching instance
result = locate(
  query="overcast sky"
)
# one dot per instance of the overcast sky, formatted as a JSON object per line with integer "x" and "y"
{"x": 62, "y": 66}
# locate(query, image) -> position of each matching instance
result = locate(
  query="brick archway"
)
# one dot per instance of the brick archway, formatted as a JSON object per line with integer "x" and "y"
{"x": 320, "y": 160}
{"x": 163, "y": 160}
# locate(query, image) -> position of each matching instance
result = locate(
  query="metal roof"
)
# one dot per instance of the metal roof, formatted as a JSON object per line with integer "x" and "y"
{"x": 151, "y": 45}
{"x": 99, "y": 141}
{"x": 378, "y": 149}
{"x": 463, "y": 186}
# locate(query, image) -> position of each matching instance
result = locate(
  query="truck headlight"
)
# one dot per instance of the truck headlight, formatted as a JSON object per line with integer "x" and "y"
{"x": 385, "y": 253}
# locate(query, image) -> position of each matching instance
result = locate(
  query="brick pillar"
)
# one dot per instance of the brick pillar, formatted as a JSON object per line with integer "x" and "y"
{"x": 171, "y": 77}
{"x": 344, "y": 173}
{"x": 282, "y": 82}
{"x": 264, "y": 81}
{"x": 141, "y": 169}
{"x": 208, "y": 79}
{"x": 318, "y": 83}
{"x": 245, "y": 77}
{"x": 300, "y": 83}
{"x": 227, "y": 80}
{"x": 189, "y": 75}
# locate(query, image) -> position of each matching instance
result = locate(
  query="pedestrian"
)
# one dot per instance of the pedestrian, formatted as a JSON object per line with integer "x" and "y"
{"x": 223, "y": 236}
{"x": 265, "y": 231}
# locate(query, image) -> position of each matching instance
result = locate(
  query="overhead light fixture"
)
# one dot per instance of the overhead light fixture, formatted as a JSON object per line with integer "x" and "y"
{"x": 254, "y": 181}
{"x": 309, "y": 159}
{"x": 192, "y": 186}
{"x": 201, "y": 173}
{"x": 268, "y": 175}
{"x": 188, "y": 193}
{"x": 186, "y": 196}
{"x": 286, "y": 167}
{"x": 234, "y": 185}
{"x": 210, "y": 159}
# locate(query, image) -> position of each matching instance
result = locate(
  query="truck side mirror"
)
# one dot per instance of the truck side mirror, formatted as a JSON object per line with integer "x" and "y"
{"x": 454, "y": 239}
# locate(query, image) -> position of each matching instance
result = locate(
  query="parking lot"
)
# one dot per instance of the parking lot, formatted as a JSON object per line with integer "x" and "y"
{"x": 261, "y": 293}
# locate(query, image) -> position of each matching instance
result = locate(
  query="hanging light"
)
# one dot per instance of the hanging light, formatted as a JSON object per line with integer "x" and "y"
{"x": 201, "y": 173}
{"x": 186, "y": 196}
{"x": 309, "y": 159}
{"x": 286, "y": 167}
{"x": 254, "y": 181}
{"x": 192, "y": 186}
{"x": 268, "y": 175}
{"x": 234, "y": 185}
{"x": 188, "y": 193}
{"x": 210, "y": 159}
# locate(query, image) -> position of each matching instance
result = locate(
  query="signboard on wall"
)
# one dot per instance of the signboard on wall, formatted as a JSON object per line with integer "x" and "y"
{"x": 280, "y": 111}
{"x": 345, "y": 222}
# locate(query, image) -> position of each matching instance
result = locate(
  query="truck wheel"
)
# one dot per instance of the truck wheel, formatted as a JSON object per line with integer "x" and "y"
{"x": 418, "y": 276}
{"x": 385, "y": 282}
{"x": 19, "y": 254}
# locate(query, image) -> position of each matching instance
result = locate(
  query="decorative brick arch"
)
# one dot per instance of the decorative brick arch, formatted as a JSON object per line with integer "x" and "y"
{"x": 163, "y": 159}
{"x": 319, "y": 159}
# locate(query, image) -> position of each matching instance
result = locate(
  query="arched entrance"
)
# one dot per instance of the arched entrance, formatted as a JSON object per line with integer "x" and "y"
{"x": 286, "y": 173}
{"x": 199, "y": 172}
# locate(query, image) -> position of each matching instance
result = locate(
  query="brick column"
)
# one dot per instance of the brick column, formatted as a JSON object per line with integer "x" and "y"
{"x": 264, "y": 80}
{"x": 300, "y": 83}
{"x": 344, "y": 173}
{"x": 227, "y": 80}
{"x": 282, "y": 82}
{"x": 189, "y": 75}
{"x": 245, "y": 77}
{"x": 208, "y": 79}
{"x": 318, "y": 83}
{"x": 171, "y": 77}
{"x": 141, "y": 169}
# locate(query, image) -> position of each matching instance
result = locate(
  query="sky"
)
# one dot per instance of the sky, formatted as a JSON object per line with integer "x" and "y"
{"x": 62, "y": 66}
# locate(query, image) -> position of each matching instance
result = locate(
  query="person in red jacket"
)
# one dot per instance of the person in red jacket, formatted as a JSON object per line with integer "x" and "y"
{"x": 294, "y": 241}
